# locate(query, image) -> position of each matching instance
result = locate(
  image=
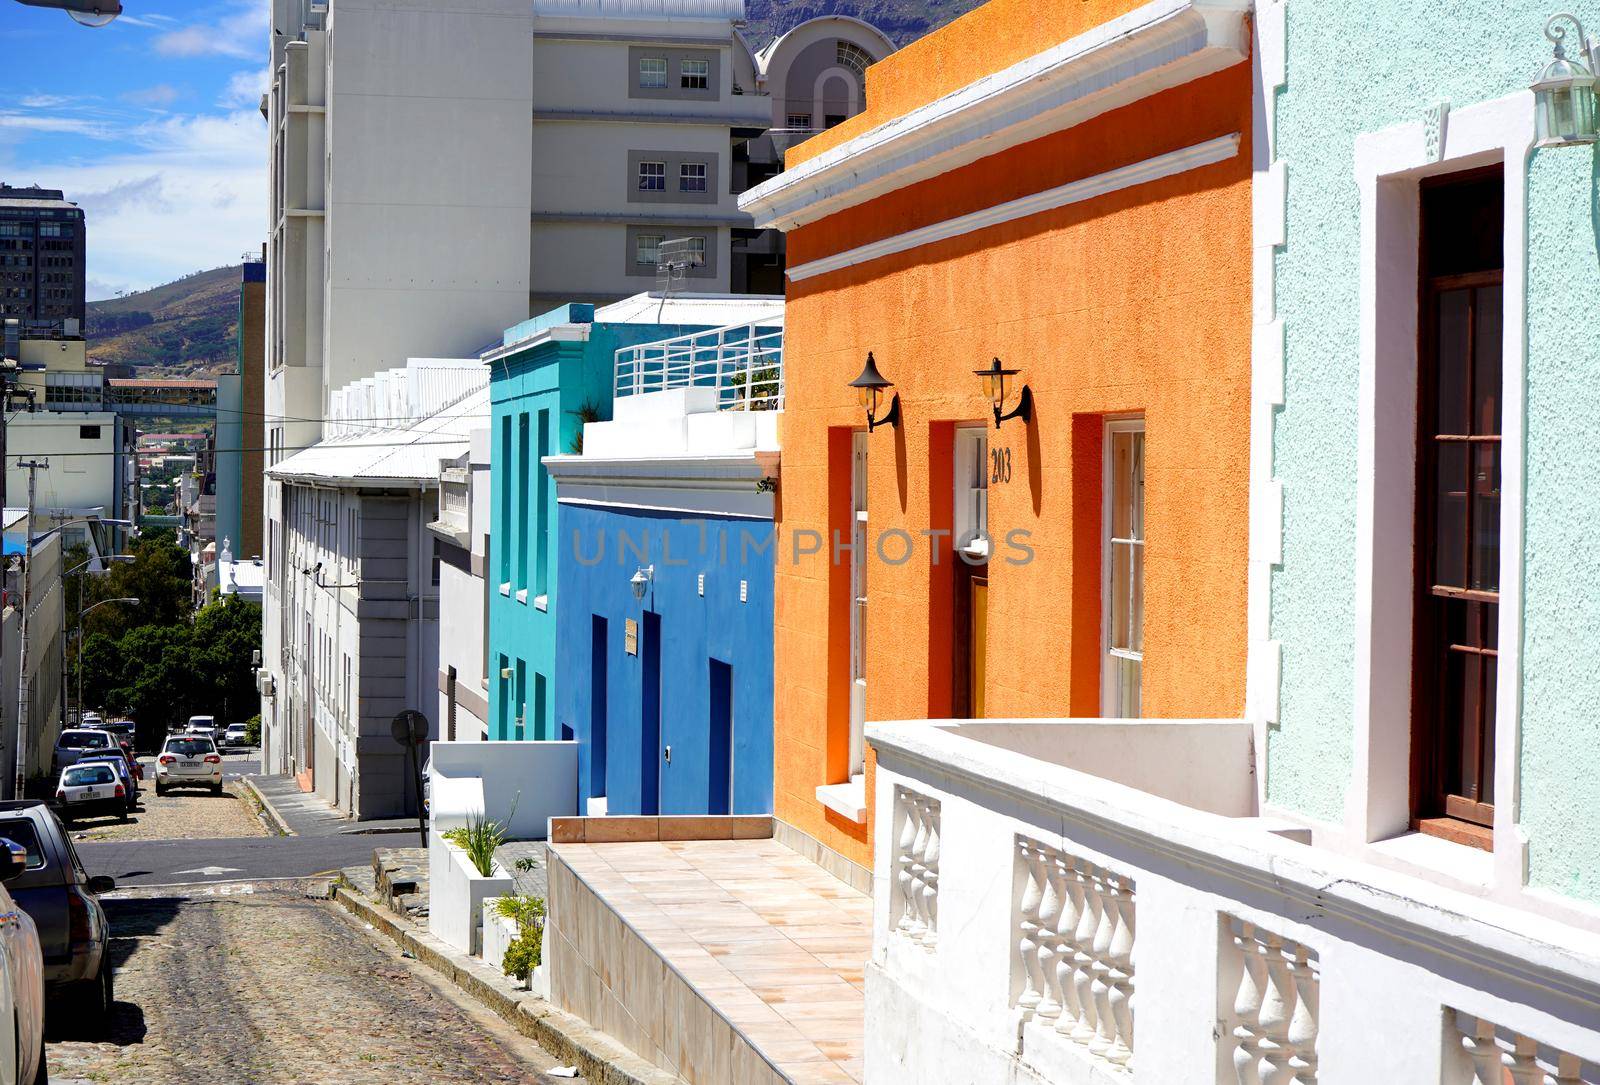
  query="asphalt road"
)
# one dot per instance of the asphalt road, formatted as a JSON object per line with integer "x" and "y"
{"x": 187, "y": 862}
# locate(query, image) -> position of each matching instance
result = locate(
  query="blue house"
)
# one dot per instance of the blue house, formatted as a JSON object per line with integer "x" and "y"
{"x": 552, "y": 374}
{"x": 664, "y": 638}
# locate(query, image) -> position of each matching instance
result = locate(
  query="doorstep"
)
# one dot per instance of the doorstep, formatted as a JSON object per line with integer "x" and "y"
{"x": 725, "y": 957}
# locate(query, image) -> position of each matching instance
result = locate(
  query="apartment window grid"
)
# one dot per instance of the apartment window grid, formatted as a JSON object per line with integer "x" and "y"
{"x": 653, "y": 73}
{"x": 647, "y": 249}
{"x": 652, "y": 176}
{"x": 692, "y": 177}
{"x": 1124, "y": 569}
{"x": 694, "y": 74}
{"x": 798, "y": 120}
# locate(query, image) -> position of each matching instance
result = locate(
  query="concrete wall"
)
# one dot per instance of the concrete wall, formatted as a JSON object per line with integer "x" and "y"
{"x": 73, "y": 480}
{"x": 698, "y": 629}
{"x": 46, "y": 628}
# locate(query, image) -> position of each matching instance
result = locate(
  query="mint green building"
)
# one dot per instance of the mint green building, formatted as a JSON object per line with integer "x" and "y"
{"x": 1426, "y": 487}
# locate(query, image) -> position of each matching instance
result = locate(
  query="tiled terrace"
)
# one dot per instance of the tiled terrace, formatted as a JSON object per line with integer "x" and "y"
{"x": 770, "y": 941}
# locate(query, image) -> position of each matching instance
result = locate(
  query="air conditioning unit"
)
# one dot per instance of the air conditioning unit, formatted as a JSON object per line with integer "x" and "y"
{"x": 265, "y": 684}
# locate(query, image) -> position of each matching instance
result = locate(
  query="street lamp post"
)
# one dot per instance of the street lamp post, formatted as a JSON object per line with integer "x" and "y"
{"x": 87, "y": 12}
{"x": 105, "y": 560}
{"x": 133, "y": 600}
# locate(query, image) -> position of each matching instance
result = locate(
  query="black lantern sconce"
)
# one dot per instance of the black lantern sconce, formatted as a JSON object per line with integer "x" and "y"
{"x": 994, "y": 386}
{"x": 872, "y": 385}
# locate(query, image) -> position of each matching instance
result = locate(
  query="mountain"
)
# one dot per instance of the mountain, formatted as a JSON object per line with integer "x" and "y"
{"x": 180, "y": 328}
{"x": 904, "y": 21}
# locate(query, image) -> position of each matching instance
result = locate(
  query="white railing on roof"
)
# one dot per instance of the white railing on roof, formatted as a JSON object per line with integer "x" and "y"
{"x": 743, "y": 362}
{"x": 397, "y": 398}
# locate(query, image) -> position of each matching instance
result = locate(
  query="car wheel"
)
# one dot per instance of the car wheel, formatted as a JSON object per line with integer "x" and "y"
{"x": 161, "y": 789}
{"x": 216, "y": 789}
{"x": 41, "y": 1073}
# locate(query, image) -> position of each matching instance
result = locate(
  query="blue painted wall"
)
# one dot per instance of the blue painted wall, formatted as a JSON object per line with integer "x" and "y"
{"x": 545, "y": 387}
{"x": 715, "y": 659}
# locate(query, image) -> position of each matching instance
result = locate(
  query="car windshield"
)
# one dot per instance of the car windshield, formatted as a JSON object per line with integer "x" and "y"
{"x": 236, "y": 728}
{"x": 84, "y": 740}
{"x": 190, "y": 747}
{"x": 20, "y": 831}
{"x": 202, "y": 721}
{"x": 77, "y": 775}
{"x": 114, "y": 760}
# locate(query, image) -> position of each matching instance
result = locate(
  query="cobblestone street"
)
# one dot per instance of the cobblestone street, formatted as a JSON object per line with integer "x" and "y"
{"x": 259, "y": 984}
{"x": 187, "y": 814}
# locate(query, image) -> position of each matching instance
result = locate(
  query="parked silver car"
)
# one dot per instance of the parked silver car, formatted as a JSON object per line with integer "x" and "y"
{"x": 75, "y": 742}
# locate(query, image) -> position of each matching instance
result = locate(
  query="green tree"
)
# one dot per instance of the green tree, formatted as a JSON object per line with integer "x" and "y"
{"x": 226, "y": 633}
{"x": 158, "y": 576}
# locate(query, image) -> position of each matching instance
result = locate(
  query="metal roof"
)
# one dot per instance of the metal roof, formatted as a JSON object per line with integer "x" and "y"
{"x": 712, "y": 310}
{"x": 405, "y": 456}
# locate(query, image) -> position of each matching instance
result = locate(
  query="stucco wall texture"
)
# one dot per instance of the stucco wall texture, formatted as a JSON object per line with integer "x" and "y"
{"x": 1135, "y": 302}
{"x": 1561, "y": 559}
{"x": 1351, "y": 70}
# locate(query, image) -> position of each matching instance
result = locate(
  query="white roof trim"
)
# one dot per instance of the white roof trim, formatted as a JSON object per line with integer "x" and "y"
{"x": 1151, "y": 169}
{"x": 556, "y": 333}
{"x": 1155, "y": 47}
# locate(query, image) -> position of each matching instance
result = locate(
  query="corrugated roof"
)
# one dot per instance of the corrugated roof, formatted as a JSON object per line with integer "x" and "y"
{"x": 712, "y": 310}
{"x": 409, "y": 454}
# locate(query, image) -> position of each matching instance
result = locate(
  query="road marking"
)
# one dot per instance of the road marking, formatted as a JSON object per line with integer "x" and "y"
{"x": 211, "y": 871}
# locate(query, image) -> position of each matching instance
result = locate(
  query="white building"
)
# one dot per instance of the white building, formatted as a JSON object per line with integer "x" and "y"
{"x": 650, "y": 118}
{"x": 46, "y": 600}
{"x": 354, "y": 582}
{"x": 461, "y": 539}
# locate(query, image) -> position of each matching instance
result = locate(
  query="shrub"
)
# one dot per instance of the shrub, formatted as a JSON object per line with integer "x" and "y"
{"x": 526, "y": 951}
{"x": 479, "y": 838}
{"x": 252, "y": 730}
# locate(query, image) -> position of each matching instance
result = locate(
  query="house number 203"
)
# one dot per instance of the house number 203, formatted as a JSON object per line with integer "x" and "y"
{"x": 999, "y": 465}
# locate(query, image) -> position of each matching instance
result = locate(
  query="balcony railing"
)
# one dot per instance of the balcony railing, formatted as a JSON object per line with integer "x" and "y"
{"x": 743, "y": 362}
{"x": 1110, "y": 908}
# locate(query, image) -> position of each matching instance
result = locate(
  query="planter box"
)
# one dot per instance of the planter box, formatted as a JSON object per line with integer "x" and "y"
{"x": 498, "y": 934}
{"x": 456, "y": 894}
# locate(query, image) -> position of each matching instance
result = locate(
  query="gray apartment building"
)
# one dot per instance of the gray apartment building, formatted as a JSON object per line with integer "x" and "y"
{"x": 41, "y": 258}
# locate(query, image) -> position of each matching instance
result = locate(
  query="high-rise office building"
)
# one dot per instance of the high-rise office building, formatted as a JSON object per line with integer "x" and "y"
{"x": 41, "y": 258}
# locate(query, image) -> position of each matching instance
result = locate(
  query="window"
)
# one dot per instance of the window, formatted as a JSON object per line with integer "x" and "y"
{"x": 694, "y": 74}
{"x": 524, "y": 451}
{"x": 647, "y": 250}
{"x": 502, "y": 485}
{"x": 858, "y": 601}
{"x": 652, "y": 176}
{"x": 653, "y": 72}
{"x": 692, "y": 177}
{"x": 88, "y": 433}
{"x": 972, "y": 489}
{"x": 50, "y": 229}
{"x": 1124, "y": 569}
{"x": 541, "y": 572}
{"x": 1458, "y": 506}
{"x": 852, "y": 56}
{"x": 798, "y": 120}
{"x": 696, "y": 250}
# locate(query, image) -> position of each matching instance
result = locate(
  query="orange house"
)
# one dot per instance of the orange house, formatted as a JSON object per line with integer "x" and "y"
{"x": 1064, "y": 186}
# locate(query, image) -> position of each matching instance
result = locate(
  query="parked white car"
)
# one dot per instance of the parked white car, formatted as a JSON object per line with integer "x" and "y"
{"x": 22, "y": 1056}
{"x": 237, "y": 736}
{"x": 92, "y": 788}
{"x": 189, "y": 761}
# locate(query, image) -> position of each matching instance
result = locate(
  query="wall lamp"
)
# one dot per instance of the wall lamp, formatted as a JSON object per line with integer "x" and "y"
{"x": 641, "y": 581}
{"x": 994, "y": 386}
{"x": 1563, "y": 95}
{"x": 871, "y": 385}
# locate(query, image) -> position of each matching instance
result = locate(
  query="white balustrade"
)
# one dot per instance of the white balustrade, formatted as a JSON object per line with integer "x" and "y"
{"x": 1073, "y": 964}
{"x": 1498, "y": 1056}
{"x": 916, "y": 866}
{"x": 1274, "y": 1008}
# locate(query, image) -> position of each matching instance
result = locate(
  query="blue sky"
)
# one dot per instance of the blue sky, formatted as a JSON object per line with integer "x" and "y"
{"x": 151, "y": 124}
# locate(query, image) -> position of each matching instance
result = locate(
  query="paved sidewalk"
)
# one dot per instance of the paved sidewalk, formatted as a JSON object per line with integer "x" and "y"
{"x": 304, "y": 814}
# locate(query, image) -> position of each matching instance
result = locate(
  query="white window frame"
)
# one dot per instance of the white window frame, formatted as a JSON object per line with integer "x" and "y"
{"x": 1112, "y": 657}
{"x": 697, "y": 251}
{"x": 652, "y": 176}
{"x": 858, "y": 600}
{"x": 652, "y": 77}
{"x": 970, "y": 463}
{"x": 800, "y": 122}
{"x": 647, "y": 243}
{"x": 694, "y": 75}
{"x": 689, "y": 180}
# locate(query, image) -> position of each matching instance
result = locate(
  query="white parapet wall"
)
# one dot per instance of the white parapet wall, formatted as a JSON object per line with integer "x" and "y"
{"x": 1058, "y": 902}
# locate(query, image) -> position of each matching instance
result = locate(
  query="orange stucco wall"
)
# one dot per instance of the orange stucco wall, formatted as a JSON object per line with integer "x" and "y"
{"x": 1137, "y": 302}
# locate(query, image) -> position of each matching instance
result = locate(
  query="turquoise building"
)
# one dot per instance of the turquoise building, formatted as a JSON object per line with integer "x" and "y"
{"x": 1426, "y": 489}
{"x": 551, "y": 374}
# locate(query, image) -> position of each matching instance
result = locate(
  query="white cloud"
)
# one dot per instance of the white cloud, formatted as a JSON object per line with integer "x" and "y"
{"x": 44, "y": 101}
{"x": 245, "y": 88}
{"x": 241, "y": 31}
{"x": 40, "y": 122}
{"x": 190, "y": 193}
{"x": 158, "y": 96}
